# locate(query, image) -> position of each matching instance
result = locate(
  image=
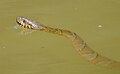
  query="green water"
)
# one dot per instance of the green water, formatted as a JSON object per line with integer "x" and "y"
{"x": 96, "y": 21}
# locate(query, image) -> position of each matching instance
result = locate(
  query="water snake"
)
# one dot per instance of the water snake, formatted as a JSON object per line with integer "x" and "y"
{"x": 79, "y": 44}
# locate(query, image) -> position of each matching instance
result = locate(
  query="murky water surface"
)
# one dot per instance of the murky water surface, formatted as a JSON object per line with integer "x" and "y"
{"x": 97, "y": 22}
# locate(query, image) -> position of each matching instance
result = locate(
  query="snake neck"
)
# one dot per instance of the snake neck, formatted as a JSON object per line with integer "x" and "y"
{"x": 61, "y": 32}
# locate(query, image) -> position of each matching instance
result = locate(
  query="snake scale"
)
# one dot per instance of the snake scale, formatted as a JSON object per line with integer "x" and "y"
{"x": 79, "y": 44}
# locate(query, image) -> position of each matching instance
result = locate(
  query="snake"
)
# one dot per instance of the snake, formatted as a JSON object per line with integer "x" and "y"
{"x": 78, "y": 43}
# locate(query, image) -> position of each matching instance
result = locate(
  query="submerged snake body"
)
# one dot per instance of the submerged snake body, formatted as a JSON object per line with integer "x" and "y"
{"x": 83, "y": 49}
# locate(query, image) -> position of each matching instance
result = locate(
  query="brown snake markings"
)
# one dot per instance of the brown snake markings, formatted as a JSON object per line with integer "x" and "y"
{"x": 83, "y": 49}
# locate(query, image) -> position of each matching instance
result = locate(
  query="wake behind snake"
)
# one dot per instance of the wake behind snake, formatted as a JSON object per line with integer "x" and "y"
{"x": 83, "y": 49}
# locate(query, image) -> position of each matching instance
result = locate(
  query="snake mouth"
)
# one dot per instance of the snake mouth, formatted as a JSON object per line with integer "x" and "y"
{"x": 18, "y": 22}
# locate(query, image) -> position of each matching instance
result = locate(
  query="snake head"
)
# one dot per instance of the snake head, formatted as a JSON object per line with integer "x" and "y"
{"x": 28, "y": 23}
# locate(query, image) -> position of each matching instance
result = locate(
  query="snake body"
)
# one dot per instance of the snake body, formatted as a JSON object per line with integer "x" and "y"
{"x": 83, "y": 49}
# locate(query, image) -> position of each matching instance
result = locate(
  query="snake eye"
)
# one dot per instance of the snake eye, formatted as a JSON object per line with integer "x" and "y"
{"x": 24, "y": 21}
